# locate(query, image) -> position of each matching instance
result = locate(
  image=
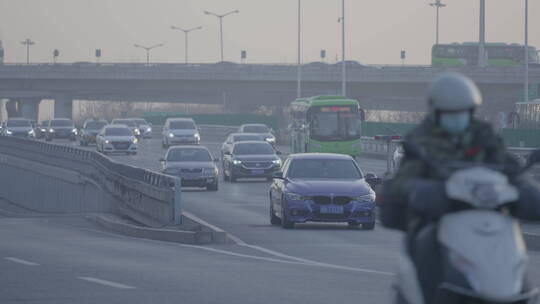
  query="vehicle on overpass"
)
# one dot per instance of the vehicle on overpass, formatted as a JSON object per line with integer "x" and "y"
{"x": 238, "y": 137}
{"x": 116, "y": 139}
{"x": 261, "y": 129}
{"x": 19, "y": 127}
{"x": 130, "y": 123}
{"x": 466, "y": 54}
{"x": 193, "y": 164}
{"x": 41, "y": 129}
{"x": 90, "y": 130}
{"x": 180, "y": 131}
{"x": 61, "y": 128}
{"x": 250, "y": 159}
{"x": 330, "y": 124}
{"x": 144, "y": 126}
{"x": 321, "y": 187}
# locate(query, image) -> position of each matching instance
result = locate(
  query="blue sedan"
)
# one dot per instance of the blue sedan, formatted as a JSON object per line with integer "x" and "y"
{"x": 321, "y": 187}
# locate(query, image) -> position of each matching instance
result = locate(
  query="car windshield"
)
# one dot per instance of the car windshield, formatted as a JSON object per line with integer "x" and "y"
{"x": 118, "y": 132}
{"x": 141, "y": 122}
{"x": 95, "y": 125}
{"x": 335, "y": 125}
{"x": 256, "y": 129}
{"x": 238, "y": 138}
{"x": 126, "y": 122}
{"x": 253, "y": 149}
{"x": 61, "y": 123}
{"x": 324, "y": 169}
{"x": 178, "y": 125}
{"x": 18, "y": 123}
{"x": 189, "y": 155}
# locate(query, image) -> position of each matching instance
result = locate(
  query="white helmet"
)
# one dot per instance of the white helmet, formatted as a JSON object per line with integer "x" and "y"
{"x": 453, "y": 92}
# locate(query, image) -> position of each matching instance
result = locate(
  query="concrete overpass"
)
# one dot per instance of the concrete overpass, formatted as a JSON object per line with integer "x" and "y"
{"x": 241, "y": 87}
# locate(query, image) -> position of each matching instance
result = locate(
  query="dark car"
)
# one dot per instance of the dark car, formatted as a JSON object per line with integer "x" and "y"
{"x": 193, "y": 164}
{"x": 90, "y": 130}
{"x": 261, "y": 129}
{"x": 41, "y": 129}
{"x": 238, "y": 137}
{"x": 250, "y": 159}
{"x": 61, "y": 128}
{"x": 321, "y": 187}
{"x": 19, "y": 127}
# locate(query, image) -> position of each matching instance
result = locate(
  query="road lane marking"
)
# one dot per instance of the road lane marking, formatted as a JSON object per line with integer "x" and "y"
{"x": 106, "y": 283}
{"x": 21, "y": 261}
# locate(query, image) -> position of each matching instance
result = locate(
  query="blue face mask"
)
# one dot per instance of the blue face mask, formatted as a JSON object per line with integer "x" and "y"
{"x": 456, "y": 122}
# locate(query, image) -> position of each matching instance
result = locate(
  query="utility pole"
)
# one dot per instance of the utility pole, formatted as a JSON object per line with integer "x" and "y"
{"x": 482, "y": 42}
{"x": 299, "y": 61}
{"x": 437, "y": 4}
{"x": 343, "y": 62}
{"x": 186, "y": 41}
{"x": 148, "y": 49}
{"x": 526, "y": 85}
{"x": 28, "y": 43}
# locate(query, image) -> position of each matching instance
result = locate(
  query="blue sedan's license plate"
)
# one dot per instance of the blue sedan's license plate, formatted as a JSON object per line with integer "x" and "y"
{"x": 257, "y": 172}
{"x": 331, "y": 209}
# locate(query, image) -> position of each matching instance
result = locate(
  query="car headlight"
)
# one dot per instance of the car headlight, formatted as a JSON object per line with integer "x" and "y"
{"x": 293, "y": 197}
{"x": 31, "y": 132}
{"x": 43, "y": 130}
{"x": 135, "y": 140}
{"x": 8, "y": 132}
{"x": 270, "y": 139}
{"x": 148, "y": 129}
{"x": 210, "y": 171}
{"x": 51, "y": 130}
{"x": 197, "y": 136}
{"x": 236, "y": 162}
{"x": 277, "y": 162}
{"x": 171, "y": 135}
{"x": 137, "y": 132}
{"x": 74, "y": 131}
{"x": 107, "y": 141}
{"x": 368, "y": 198}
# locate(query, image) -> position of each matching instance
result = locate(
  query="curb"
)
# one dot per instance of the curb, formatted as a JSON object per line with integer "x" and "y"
{"x": 168, "y": 235}
{"x": 219, "y": 236}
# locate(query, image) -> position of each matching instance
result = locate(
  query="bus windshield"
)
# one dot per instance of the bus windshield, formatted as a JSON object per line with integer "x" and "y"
{"x": 335, "y": 124}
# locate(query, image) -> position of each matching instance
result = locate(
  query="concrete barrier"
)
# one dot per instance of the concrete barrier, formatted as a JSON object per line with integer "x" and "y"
{"x": 53, "y": 178}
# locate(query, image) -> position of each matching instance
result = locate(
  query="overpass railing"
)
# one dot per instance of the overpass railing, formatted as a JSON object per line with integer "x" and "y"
{"x": 53, "y": 178}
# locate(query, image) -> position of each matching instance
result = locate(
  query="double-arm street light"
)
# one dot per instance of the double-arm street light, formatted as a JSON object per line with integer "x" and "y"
{"x": 437, "y": 4}
{"x": 148, "y": 49}
{"x": 186, "y": 32}
{"x": 220, "y": 17}
{"x": 28, "y": 43}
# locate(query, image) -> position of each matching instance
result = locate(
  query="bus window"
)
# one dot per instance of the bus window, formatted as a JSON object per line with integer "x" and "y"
{"x": 335, "y": 124}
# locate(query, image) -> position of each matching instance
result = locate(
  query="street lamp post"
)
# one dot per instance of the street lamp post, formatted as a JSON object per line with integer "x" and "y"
{"x": 186, "y": 32}
{"x": 437, "y": 4}
{"x": 28, "y": 43}
{"x": 299, "y": 61}
{"x": 148, "y": 49}
{"x": 343, "y": 63}
{"x": 220, "y": 17}
{"x": 526, "y": 85}
{"x": 482, "y": 42}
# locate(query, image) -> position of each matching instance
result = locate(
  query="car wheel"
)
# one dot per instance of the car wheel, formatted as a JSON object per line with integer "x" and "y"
{"x": 285, "y": 223}
{"x": 269, "y": 179}
{"x": 213, "y": 187}
{"x": 274, "y": 220}
{"x": 368, "y": 226}
{"x": 232, "y": 178}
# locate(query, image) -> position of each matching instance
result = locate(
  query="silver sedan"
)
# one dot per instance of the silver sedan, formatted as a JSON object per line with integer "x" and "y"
{"x": 116, "y": 138}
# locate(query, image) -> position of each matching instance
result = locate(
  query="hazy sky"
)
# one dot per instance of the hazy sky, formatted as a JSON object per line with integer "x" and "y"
{"x": 376, "y": 29}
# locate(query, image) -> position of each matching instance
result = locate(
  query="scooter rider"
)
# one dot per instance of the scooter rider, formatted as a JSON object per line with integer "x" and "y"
{"x": 449, "y": 133}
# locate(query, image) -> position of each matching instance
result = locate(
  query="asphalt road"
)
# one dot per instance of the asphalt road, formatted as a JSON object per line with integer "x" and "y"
{"x": 64, "y": 259}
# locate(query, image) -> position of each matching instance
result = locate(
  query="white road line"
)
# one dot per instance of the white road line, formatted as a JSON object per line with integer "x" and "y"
{"x": 21, "y": 261}
{"x": 106, "y": 283}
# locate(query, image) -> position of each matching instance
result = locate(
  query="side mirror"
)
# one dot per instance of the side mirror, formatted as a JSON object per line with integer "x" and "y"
{"x": 373, "y": 180}
{"x": 534, "y": 158}
{"x": 277, "y": 175}
{"x": 278, "y": 152}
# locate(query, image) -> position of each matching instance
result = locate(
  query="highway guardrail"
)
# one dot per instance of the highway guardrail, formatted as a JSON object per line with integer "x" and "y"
{"x": 54, "y": 178}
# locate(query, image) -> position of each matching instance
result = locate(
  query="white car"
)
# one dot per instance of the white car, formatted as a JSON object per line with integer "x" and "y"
{"x": 116, "y": 138}
{"x": 180, "y": 131}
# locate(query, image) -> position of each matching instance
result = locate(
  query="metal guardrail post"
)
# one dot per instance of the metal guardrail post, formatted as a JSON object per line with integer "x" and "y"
{"x": 177, "y": 201}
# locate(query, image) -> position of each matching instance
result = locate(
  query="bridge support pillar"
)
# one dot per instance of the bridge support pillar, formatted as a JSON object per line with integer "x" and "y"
{"x": 63, "y": 106}
{"x": 29, "y": 108}
{"x": 12, "y": 109}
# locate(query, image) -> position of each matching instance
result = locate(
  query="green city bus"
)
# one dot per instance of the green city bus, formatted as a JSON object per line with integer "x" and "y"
{"x": 326, "y": 124}
{"x": 466, "y": 54}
